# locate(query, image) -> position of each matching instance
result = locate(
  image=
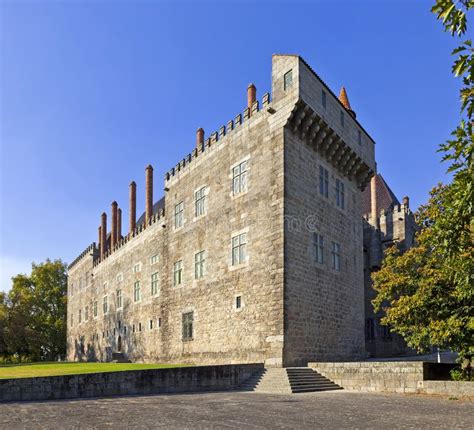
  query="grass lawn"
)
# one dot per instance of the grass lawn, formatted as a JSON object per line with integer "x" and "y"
{"x": 31, "y": 370}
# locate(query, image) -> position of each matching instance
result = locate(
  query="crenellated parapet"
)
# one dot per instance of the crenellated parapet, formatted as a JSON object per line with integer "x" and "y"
{"x": 87, "y": 252}
{"x": 384, "y": 214}
{"x": 233, "y": 125}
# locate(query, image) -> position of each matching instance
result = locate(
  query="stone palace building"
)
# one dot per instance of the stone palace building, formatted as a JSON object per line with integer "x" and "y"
{"x": 260, "y": 250}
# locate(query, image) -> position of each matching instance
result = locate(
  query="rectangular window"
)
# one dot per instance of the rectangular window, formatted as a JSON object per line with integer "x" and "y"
{"x": 105, "y": 305}
{"x": 188, "y": 319}
{"x": 340, "y": 200}
{"x": 136, "y": 291}
{"x": 154, "y": 284}
{"x": 200, "y": 202}
{"x": 153, "y": 259}
{"x": 369, "y": 329}
{"x": 178, "y": 215}
{"x": 86, "y": 313}
{"x": 336, "y": 256}
{"x": 239, "y": 178}
{"x": 323, "y": 181}
{"x": 178, "y": 272}
{"x": 137, "y": 268}
{"x": 119, "y": 299}
{"x": 318, "y": 243}
{"x": 238, "y": 302}
{"x": 199, "y": 264}
{"x": 323, "y": 98}
{"x": 159, "y": 322}
{"x": 94, "y": 309}
{"x": 80, "y": 316}
{"x": 151, "y": 324}
{"x": 139, "y": 326}
{"x": 342, "y": 118}
{"x": 119, "y": 277}
{"x": 359, "y": 137}
{"x": 288, "y": 80}
{"x": 239, "y": 249}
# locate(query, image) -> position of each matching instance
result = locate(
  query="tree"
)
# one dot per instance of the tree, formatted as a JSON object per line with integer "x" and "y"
{"x": 427, "y": 293}
{"x": 35, "y": 323}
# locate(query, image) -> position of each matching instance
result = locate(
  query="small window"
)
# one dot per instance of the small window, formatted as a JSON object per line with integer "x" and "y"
{"x": 124, "y": 329}
{"x": 239, "y": 178}
{"x": 288, "y": 80}
{"x": 151, "y": 324}
{"x": 178, "y": 215}
{"x": 178, "y": 273}
{"x": 94, "y": 309}
{"x": 154, "y": 284}
{"x": 136, "y": 292}
{"x": 359, "y": 137}
{"x": 119, "y": 299}
{"x": 154, "y": 259}
{"x": 238, "y": 302}
{"x": 318, "y": 243}
{"x": 139, "y": 326}
{"x": 336, "y": 256}
{"x": 239, "y": 249}
{"x": 323, "y": 98}
{"x": 159, "y": 322}
{"x": 119, "y": 277}
{"x": 133, "y": 328}
{"x": 105, "y": 305}
{"x": 200, "y": 202}
{"x": 369, "y": 329}
{"x": 106, "y": 284}
{"x": 80, "y": 316}
{"x": 323, "y": 181}
{"x": 340, "y": 194}
{"x": 86, "y": 313}
{"x": 199, "y": 264}
{"x": 342, "y": 118}
{"x": 137, "y": 268}
{"x": 188, "y": 320}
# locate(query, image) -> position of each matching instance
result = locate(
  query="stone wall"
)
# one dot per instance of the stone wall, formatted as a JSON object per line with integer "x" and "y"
{"x": 135, "y": 382}
{"x": 449, "y": 388}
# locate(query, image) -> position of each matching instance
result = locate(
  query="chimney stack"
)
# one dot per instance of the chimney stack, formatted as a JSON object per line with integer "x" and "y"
{"x": 103, "y": 231}
{"x": 133, "y": 207}
{"x": 100, "y": 238}
{"x": 251, "y": 97}
{"x": 199, "y": 137}
{"x": 406, "y": 201}
{"x": 119, "y": 224}
{"x": 149, "y": 193}
{"x": 373, "y": 200}
{"x": 113, "y": 234}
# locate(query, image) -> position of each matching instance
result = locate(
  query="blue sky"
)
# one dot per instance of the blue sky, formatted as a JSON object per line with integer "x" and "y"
{"x": 93, "y": 91}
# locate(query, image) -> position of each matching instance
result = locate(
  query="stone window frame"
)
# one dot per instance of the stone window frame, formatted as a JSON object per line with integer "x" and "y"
{"x": 178, "y": 215}
{"x": 323, "y": 181}
{"x": 336, "y": 256}
{"x": 95, "y": 309}
{"x": 137, "y": 294}
{"x": 245, "y": 262}
{"x": 242, "y": 192}
{"x": 199, "y": 263}
{"x": 242, "y": 304}
{"x": 119, "y": 277}
{"x": 200, "y": 201}
{"x": 318, "y": 247}
{"x": 137, "y": 267}
{"x": 119, "y": 298}
{"x": 86, "y": 313}
{"x": 79, "y": 318}
{"x": 155, "y": 284}
{"x": 288, "y": 80}
{"x": 154, "y": 259}
{"x": 150, "y": 324}
{"x": 178, "y": 268}
{"x": 187, "y": 326}
{"x": 158, "y": 323}
{"x": 105, "y": 304}
{"x": 340, "y": 193}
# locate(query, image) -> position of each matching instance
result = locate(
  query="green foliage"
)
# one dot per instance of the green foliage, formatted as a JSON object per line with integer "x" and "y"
{"x": 34, "y": 313}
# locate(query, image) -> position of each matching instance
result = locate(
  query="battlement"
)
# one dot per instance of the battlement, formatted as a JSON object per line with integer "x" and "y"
{"x": 91, "y": 248}
{"x": 234, "y": 124}
{"x": 397, "y": 210}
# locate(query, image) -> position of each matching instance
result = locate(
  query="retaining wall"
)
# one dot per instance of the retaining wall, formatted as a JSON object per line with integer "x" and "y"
{"x": 151, "y": 381}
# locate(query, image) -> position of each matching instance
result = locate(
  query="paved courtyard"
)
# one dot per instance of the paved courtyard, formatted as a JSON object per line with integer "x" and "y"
{"x": 326, "y": 410}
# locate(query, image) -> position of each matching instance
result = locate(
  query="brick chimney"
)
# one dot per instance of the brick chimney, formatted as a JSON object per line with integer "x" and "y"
{"x": 100, "y": 238}
{"x": 251, "y": 97}
{"x": 119, "y": 224}
{"x": 103, "y": 231}
{"x": 199, "y": 137}
{"x": 373, "y": 201}
{"x": 148, "y": 193}
{"x": 113, "y": 234}
{"x": 132, "y": 221}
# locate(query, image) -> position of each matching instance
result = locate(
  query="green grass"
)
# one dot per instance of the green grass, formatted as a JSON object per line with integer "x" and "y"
{"x": 31, "y": 370}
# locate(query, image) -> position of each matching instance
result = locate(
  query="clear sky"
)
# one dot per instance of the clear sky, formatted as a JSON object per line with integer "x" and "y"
{"x": 93, "y": 91}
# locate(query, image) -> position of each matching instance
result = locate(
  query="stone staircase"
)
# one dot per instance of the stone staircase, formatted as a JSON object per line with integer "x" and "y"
{"x": 287, "y": 381}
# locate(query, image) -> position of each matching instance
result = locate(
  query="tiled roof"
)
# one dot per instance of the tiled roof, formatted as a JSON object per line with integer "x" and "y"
{"x": 386, "y": 199}
{"x": 344, "y": 99}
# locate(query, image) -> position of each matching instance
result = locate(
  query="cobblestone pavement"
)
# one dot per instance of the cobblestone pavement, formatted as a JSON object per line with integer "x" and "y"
{"x": 325, "y": 410}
